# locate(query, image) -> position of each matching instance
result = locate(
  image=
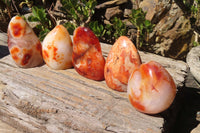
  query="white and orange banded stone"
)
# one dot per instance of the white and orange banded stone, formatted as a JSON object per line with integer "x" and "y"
{"x": 151, "y": 88}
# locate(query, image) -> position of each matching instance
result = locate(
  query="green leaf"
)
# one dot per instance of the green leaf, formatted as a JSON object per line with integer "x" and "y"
{"x": 147, "y": 23}
{"x": 72, "y": 11}
{"x": 43, "y": 34}
{"x": 85, "y": 12}
{"x": 32, "y": 19}
{"x": 74, "y": 2}
{"x": 101, "y": 28}
{"x": 78, "y": 10}
{"x": 98, "y": 29}
{"x": 39, "y": 15}
{"x": 39, "y": 27}
{"x": 94, "y": 3}
{"x": 137, "y": 18}
{"x": 119, "y": 27}
{"x": 91, "y": 24}
{"x": 35, "y": 11}
{"x": 70, "y": 27}
{"x": 196, "y": 44}
{"x": 42, "y": 14}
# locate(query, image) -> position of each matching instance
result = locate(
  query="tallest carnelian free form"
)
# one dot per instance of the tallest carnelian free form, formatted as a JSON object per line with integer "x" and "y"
{"x": 24, "y": 46}
{"x": 87, "y": 57}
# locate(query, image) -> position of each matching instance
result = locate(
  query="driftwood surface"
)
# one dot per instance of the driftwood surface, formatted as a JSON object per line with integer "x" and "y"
{"x": 55, "y": 101}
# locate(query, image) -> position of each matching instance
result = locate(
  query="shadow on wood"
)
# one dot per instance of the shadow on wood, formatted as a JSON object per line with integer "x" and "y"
{"x": 3, "y": 51}
{"x": 182, "y": 116}
{"x": 188, "y": 117}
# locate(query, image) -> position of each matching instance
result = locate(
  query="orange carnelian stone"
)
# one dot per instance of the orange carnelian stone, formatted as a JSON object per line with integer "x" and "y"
{"x": 122, "y": 59}
{"x": 23, "y": 44}
{"x": 151, "y": 88}
{"x": 87, "y": 57}
{"x": 57, "y": 48}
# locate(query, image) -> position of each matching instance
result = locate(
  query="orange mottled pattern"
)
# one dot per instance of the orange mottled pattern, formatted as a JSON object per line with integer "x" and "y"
{"x": 87, "y": 56}
{"x": 57, "y": 48}
{"x": 121, "y": 61}
{"x": 17, "y": 28}
{"x": 55, "y": 56}
{"x": 27, "y": 54}
{"x": 26, "y": 59}
{"x": 45, "y": 55}
{"x": 14, "y": 52}
{"x": 24, "y": 46}
{"x": 53, "y": 50}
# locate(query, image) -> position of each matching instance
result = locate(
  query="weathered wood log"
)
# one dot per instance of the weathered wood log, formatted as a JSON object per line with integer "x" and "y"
{"x": 44, "y": 100}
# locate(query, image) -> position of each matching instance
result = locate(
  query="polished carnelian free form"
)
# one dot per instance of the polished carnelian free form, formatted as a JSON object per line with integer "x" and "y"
{"x": 87, "y": 56}
{"x": 23, "y": 44}
{"x": 122, "y": 59}
{"x": 151, "y": 88}
{"x": 57, "y": 48}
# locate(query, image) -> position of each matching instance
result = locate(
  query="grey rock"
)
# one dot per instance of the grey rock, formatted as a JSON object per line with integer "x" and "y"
{"x": 173, "y": 32}
{"x": 127, "y": 12}
{"x": 113, "y": 12}
{"x": 155, "y": 9}
{"x": 111, "y": 3}
{"x": 193, "y": 60}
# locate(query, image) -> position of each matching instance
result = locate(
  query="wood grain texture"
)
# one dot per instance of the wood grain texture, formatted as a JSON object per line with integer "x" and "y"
{"x": 5, "y": 128}
{"x": 43, "y": 100}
